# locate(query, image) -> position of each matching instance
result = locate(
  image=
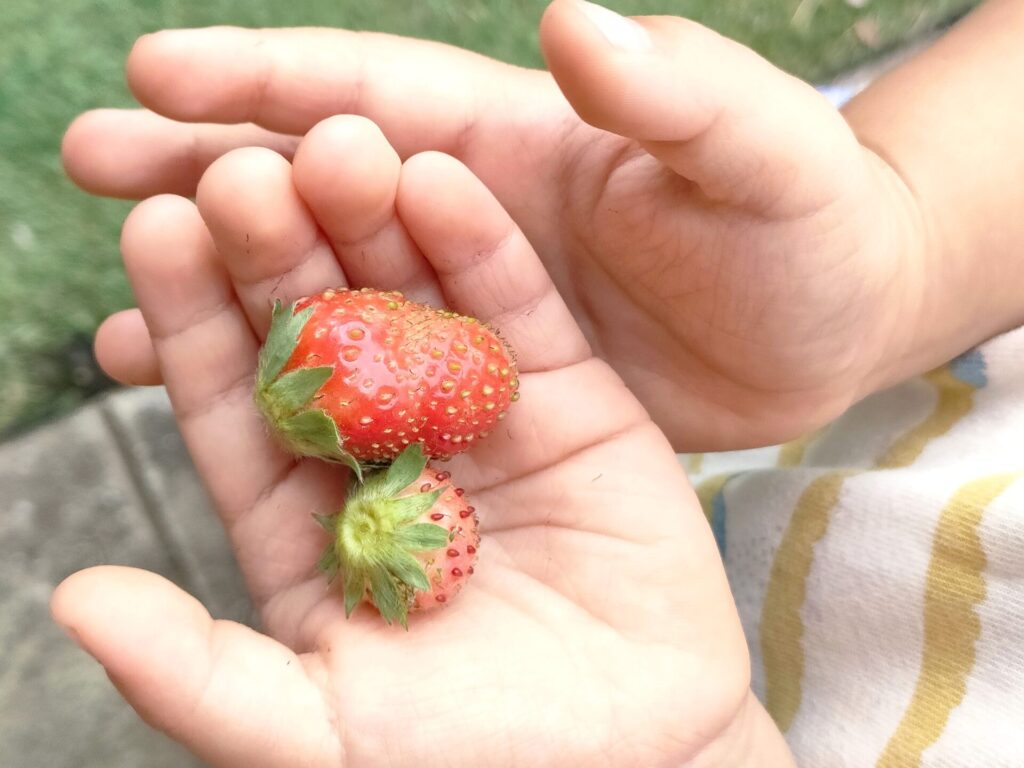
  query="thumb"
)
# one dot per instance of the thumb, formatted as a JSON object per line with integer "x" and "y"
{"x": 231, "y": 695}
{"x": 712, "y": 110}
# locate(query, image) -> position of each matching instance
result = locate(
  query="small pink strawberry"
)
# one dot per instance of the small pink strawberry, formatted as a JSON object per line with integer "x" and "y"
{"x": 406, "y": 539}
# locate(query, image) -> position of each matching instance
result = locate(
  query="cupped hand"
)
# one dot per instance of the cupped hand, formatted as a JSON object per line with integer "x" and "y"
{"x": 722, "y": 238}
{"x": 598, "y": 629}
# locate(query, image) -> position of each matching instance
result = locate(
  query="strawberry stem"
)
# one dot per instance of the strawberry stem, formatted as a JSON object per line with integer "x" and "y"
{"x": 377, "y": 533}
{"x": 285, "y": 400}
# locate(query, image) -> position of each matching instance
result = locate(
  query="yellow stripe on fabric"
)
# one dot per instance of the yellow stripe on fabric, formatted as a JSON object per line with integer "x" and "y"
{"x": 694, "y": 463}
{"x": 707, "y": 491}
{"x": 955, "y": 401}
{"x": 955, "y": 585}
{"x": 791, "y": 454}
{"x": 782, "y": 628}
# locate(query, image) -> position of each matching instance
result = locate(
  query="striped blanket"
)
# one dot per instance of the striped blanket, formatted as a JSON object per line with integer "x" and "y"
{"x": 878, "y": 566}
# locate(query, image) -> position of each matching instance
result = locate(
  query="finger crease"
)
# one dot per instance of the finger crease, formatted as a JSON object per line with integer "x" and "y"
{"x": 352, "y": 103}
{"x": 340, "y": 243}
{"x": 196, "y": 320}
{"x": 308, "y": 253}
{"x": 522, "y": 310}
{"x": 461, "y": 141}
{"x": 263, "y": 80}
{"x": 480, "y": 256}
{"x": 207, "y": 405}
{"x": 271, "y": 486}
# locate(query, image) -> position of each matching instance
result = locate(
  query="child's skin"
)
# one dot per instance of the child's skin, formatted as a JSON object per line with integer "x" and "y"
{"x": 724, "y": 240}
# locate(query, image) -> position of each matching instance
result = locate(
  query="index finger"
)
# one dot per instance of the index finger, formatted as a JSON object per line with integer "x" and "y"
{"x": 422, "y": 94}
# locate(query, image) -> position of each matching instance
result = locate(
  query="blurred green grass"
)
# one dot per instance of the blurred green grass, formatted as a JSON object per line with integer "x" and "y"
{"x": 59, "y": 268}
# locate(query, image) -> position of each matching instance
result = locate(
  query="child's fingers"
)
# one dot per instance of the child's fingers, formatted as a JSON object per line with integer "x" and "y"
{"x": 714, "y": 111}
{"x": 125, "y": 351}
{"x": 207, "y": 355}
{"x": 231, "y": 695}
{"x": 348, "y": 174}
{"x": 203, "y": 342}
{"x": 423, "y": 94}
{"x": 135, "y": 153}
{"x": 485, "y": 264}
{"x": 266, "y": 236}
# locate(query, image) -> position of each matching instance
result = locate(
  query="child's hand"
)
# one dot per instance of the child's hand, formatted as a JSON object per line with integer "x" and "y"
{"x": 599, "y": 628}
{"x": 720, "y": 235}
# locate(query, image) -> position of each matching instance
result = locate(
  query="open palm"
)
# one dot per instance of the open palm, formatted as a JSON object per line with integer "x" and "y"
{"x": 599, "y": 629}
{"x": 720, "y": 235}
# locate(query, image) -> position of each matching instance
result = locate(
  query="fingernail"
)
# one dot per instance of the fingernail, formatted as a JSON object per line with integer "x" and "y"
{"x": 625, "y": 34}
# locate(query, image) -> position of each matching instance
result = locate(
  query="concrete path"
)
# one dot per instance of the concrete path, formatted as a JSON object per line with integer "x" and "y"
{"x": 112, "y": 483}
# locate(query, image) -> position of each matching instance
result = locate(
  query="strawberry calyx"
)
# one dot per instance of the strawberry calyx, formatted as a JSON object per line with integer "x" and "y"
{"x": 288, "y": 401}
{"x": 375, "y": 536}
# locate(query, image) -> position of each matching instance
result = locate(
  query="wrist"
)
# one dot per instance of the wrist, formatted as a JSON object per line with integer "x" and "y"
{"x": 942, "y": 123}
{"x": 909, "y": 341}
{"x": 751, "y": 740}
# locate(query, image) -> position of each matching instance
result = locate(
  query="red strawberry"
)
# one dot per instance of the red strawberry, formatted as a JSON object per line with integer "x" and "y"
{"x": 358, "y": 375}
{"x": 405, "y": 541}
